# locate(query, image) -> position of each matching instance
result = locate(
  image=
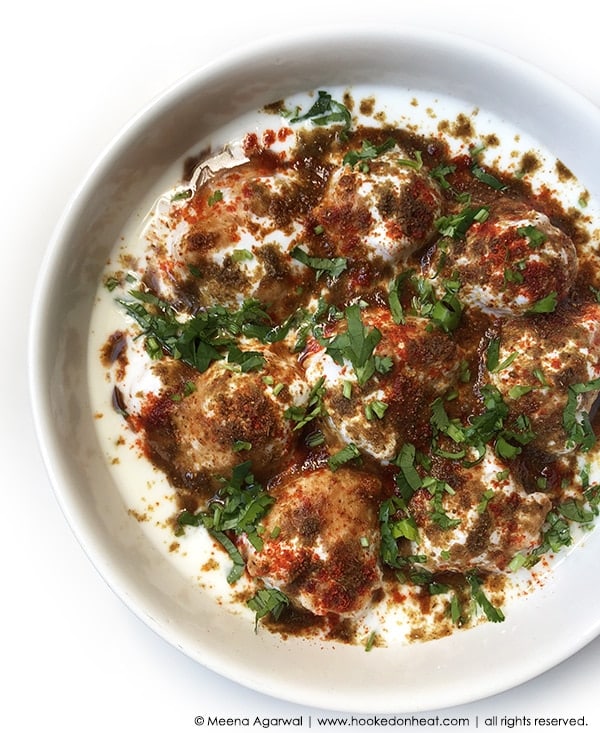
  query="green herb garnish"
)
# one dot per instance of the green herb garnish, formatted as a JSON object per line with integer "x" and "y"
{"x": 368, "y": 151}
{"x": 209, "y": 336}
{"x": 237, "y": 508}
{"x": 456, "y": 226}
{"x": 182, "y": 195}
{"x": 215, "y": 197}
{"x": 239, "y": 255}
{"x": 576, "y": 423}
{"x": 439, "y": 174}
{"x": 313, "y": 408}
{"x": 535, "y": 236}
{"x": 482, "y": 175}
{"x": 375, "y": 409}
{"x": 545, "y": 305}
{"x": 416, "y": 164}
{"x": 356, "y": 344}
{"x": 492, "y": 613}
{"x": 267, "y": 601}
{"x": 347, "y": 453}
{"x": 395, "y": 523}
{"x": 325, "y": 111}
{"x": 332, "y": 266}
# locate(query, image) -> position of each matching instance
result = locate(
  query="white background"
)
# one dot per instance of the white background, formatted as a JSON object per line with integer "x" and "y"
{"x": 74, "y": 657}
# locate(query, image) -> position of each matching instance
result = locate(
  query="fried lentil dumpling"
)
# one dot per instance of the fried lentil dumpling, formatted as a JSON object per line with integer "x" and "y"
{"x": 385, "y": 210}
{"x": 418, "y": 364}
{"x": 199, "y": 426}
{"x": 230, "y": 241}
{"x": 544, "y": 357}
{"x": 321, "y": 541}
{"x": 480, "y": 521}
{"x": 509, "y": 262}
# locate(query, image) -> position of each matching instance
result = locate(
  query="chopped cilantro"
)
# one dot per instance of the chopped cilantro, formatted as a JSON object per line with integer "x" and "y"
{"x": 333, "y": 267}
{"x": 394, "y": 297}
{"x": 444, "y": 312}
{"x": 368, "y": 151}
{"x": 375, "y": 409}
{"x": 487, "y": 427}
{"x": 182, "y": 195}
{"x": 325, "y": 111}
{"x": 215, "y": 197}
{"x": 482, "y": 175}
{"x": 556, "y": 535}
{"x": 492, "y": 613}
{"x": 208, "y": 336}
{"x": 519, "y": 390}
{"x": 408, "y": 479}
{"x": 237, "y": 508}
{"x": 239, "y": 255}
{"x": 416, "y": 164}
{"x": 437, "y": 489}
{"x": 240, "y": 445}
{"x": 456, "y": 226}
{"x": 557, "y": 532}
{"x": 545, "y": 305}
{"x": 347, "y": 453}
{"x": 492, "y": 357}
{"x": 535, "y": 236}
{"x": 455, "y": 610}
{"x": 313, "y": 409}
{"x": 395, "y": 523}
{"x": 440, "y": 172}
{"x": 513, "y": 276}
{"x": 356, "y": 344}
{"x": 267, "y": 601}
{"x": 371, "y": 641}
{"x": 486, "y": 497}
{"x": 576, "y": 423}
{"x": 575, "y": 511}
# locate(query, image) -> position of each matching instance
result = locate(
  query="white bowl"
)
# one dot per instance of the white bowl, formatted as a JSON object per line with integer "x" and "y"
{"x": 465, "y": 667}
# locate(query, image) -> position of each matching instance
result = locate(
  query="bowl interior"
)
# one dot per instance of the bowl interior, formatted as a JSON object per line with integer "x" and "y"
{"x": 437, "y": 674}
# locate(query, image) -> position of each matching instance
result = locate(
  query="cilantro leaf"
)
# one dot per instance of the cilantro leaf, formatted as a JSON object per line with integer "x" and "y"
{"x": 457, "y": 225}
{"x": 368, "y": 151}
{"x": 576, "y": 423}
{"x": 445, "y": 311}
{"x": 492, "y": 613}
{"x": 267, "y": 601}
{"x": 326, "y": 110}
{"x": 357, "y": 345}
{"x": 313, "y": 409}
{"x": 347, "y": 453}
{"x": 332, "y": 266}
{"x": 395, "y": 523}
{"x": 440, "y": 172}
{"x": 482, "y": 175}
{"x": 415, "y": 164}
{"x": 535, "y": 236}
{"x": 545, "y": 305}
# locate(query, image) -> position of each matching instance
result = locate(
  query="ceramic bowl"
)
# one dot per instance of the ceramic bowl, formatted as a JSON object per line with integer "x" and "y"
{"x": 463, "y": 667}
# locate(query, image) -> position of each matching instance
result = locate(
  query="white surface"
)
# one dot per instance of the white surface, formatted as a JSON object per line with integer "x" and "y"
{"x": 77, "y": 658}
